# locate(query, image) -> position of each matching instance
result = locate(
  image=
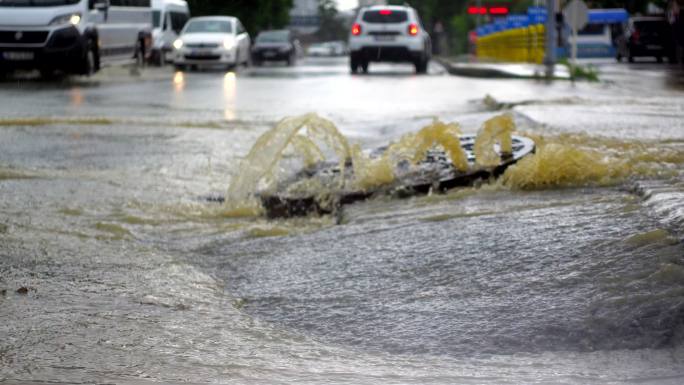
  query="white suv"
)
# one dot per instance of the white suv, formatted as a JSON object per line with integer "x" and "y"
{"x": 389, "y": 34}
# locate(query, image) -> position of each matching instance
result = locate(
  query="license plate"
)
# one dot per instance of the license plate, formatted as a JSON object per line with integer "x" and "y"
{"x": 18, "y": 56}
{"x": 384, "y": 38}
{"x": 269, "y": 53}
{"x": 201, "y": 53}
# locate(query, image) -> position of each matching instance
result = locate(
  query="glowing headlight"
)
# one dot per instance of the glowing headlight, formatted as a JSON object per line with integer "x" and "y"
{"x": 71, "y": 18}
{"x": 228, "y": 43}
{"x": 178, "y": 44}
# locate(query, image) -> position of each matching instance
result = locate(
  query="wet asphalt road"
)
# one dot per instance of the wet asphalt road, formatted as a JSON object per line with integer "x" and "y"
{"x": 570, "y": 272}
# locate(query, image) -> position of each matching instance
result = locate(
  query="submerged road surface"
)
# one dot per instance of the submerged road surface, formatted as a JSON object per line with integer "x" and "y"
{"x": 115, "y": 269}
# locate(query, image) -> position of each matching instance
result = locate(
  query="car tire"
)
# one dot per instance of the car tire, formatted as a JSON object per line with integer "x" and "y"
{"x": 421, "y": 66}
{"x": 47, "y": 73}
{"x": 354, "y": 65}
{"x": 364, "y": 67}
{"x": 659, "y": 59}
{"x": 139, "y": 54}
{"x": 89, "y": 59}
{"x": 618, "y": 58}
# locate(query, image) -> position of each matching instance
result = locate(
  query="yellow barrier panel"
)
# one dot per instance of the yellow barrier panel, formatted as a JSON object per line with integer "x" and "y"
{"x": 514, "y": 45}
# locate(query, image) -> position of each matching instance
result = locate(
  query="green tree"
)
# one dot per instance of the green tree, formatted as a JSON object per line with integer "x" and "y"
{"x": 256, "y": 15}
{"x": 331, "y": 25}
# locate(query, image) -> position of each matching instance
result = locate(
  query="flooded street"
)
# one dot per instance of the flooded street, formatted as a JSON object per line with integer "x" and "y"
{"x": 569, "y": 269}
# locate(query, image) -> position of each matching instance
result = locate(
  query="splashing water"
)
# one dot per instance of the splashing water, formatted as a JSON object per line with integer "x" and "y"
{"x": 572, "y": 160}
{"x": 308, "y": 136}
{"x": 411, "y": 148}
{"x": 258, "y": 170}
{"x": 561, "y": 161}
{"x": 497, "y": 129}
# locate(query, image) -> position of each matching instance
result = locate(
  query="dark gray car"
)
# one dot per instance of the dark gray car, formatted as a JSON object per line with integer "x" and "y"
{"x": 275, "y": 45}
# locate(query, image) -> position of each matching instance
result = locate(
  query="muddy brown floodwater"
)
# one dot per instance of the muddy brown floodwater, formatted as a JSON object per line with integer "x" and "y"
{"x": 115, "y": 269}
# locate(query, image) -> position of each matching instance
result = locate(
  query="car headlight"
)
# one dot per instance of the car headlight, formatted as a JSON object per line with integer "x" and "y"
{"x": 178, "y": 44}
{"x": 69, "y": 18}
{"x": 228, "y": 43}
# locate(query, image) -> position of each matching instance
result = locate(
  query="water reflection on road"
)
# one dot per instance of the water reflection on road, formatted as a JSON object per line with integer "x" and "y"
{"x": 131, "y": 276}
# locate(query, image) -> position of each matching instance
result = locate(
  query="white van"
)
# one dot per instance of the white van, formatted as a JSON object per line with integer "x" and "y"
{"x": 168, "y": 19}
{"x": 73, "y": 36}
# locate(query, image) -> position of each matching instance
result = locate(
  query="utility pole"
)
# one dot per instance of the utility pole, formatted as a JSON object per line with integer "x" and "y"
{"x": 550, "y": 49}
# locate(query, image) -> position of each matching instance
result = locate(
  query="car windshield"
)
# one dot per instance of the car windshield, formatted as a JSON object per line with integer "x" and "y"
{"x": 651, "y": 27}
{"x": 36, "y": 3}
{"x": 209, "y": 26}
{"x": 385, "y": 16}
{"x": 156, "y": 18}
{"x": 273, "y": 37}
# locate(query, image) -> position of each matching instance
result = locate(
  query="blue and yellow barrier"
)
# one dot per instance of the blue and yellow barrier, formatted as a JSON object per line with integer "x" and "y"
{"x": 523, "y": 44}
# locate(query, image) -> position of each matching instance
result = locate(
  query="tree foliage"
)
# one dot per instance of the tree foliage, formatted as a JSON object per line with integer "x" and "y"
{"x": 331, "y": 26}
{"x": 255, "y": 15}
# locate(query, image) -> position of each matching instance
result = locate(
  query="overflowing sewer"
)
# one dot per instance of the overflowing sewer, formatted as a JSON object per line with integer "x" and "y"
{"x": 330, "y": 172}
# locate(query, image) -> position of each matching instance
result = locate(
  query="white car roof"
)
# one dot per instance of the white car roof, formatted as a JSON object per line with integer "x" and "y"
{"x": 391, "y": 7}
{"x": 223, "y": 18}
{"x": 160, "y": 4}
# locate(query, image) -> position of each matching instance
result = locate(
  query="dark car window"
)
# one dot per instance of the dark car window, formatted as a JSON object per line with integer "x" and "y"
{"x": 156, "y": 19}
{"x": 178, "y": 20}
{"x": 209, "y": 26}
{"x": 651, "y": 27}
{"x": 273, "y": 37}
{"x": 385, "y": 16}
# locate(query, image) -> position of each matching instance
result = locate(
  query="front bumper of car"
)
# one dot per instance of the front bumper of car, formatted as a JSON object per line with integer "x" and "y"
{"x": 206, "y": 56}
{"x": 62, "y": 49}
{"x": 271, "y": 54}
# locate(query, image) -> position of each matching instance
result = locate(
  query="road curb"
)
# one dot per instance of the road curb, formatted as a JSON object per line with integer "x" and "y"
{"x": 497, "y": 71}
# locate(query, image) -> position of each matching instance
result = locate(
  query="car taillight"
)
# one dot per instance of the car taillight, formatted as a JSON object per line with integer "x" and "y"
{"x": 356, "y": 29}
{"x": 635, "y": 36}
{"x": 385, "y": 12}
{"x": 413, "y": 29}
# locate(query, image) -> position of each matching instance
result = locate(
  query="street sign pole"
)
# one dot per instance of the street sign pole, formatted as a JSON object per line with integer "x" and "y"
{"x": 550, "y": 47}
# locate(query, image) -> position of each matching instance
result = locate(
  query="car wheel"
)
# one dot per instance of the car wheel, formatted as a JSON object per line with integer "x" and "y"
{"x": 290, "y": 60}
{"x": 354, "y": 65}
{"x": 139, "y": 54}
{"x": 421, "y": 65}
{"x": 364, "y": 67}
{"x": 47, "y": 73}
{"x": 618, "y": 58}
{"x": 659, "y": 59}
{"x": 89, "y": 60}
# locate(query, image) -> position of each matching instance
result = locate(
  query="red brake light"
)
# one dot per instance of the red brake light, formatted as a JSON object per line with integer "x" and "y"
{"x": 385, "y": 12}
{"x": 498, "y": 11}
{"x": 635, "y": 35}
{"x": 413, "y": 29}
{"x": 356, "y": 29}
{"x": 477, "y": 10}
